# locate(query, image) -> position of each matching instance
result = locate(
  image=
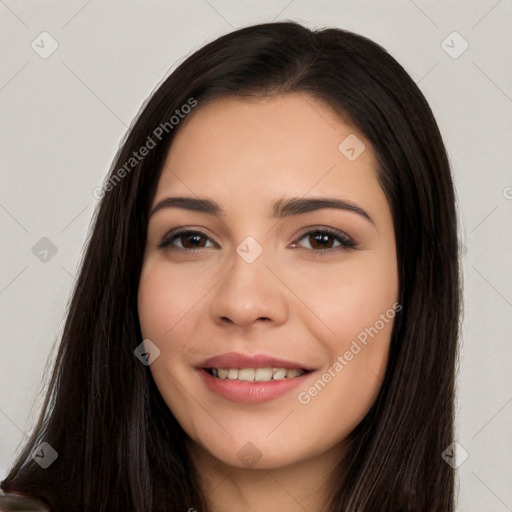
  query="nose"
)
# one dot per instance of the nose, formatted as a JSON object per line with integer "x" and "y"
{"x": 249, "y": 294}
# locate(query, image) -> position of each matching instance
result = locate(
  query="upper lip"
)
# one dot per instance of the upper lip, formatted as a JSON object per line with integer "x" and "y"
{"x": 236, "y": 360}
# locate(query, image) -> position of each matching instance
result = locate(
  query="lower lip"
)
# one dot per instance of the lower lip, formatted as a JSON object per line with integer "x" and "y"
{"x": 252, "y": 392}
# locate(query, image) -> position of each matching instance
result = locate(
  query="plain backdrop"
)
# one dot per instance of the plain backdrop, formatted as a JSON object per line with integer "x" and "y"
{"x": 63, "y": 115}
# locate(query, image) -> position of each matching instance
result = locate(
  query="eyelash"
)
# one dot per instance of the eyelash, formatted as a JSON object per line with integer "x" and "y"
{"x": 344, "y": 241}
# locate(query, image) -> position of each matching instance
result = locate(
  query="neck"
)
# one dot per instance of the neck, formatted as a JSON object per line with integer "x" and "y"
{"x": 298, "y": 486}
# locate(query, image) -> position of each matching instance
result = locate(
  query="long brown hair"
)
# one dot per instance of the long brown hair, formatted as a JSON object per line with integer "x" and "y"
{"x": 119, "y": 446}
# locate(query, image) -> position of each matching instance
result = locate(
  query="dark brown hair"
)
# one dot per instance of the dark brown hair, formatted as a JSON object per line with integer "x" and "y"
{"x": 119, "y": 446}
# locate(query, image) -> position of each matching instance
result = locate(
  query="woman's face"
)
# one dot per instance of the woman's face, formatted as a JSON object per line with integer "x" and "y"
{"x": 272, "y": 300}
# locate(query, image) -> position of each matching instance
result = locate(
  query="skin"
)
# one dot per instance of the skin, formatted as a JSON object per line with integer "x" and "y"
{"x": 293, "y": 302}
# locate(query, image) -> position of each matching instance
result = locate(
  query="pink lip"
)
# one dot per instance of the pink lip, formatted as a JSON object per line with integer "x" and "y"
{"x": 236, "y": 360}
{"x": 250, "y": 392}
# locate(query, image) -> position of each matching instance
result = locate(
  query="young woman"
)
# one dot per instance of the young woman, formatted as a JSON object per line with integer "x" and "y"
{"x": 267, "y": 312}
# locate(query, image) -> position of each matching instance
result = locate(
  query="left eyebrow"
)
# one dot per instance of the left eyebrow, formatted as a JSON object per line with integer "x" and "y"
{"x": 296, "y": 206}
{"x": 281, "y": 208}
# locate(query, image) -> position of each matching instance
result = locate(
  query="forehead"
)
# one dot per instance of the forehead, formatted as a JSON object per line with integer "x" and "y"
{"x": 240, "y": 150}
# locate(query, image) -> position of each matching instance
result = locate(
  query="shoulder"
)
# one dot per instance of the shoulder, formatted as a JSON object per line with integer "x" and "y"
{"x": 11, "y": 502}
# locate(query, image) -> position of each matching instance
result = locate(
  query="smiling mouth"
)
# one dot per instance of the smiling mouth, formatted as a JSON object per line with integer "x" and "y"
{"x": 267, "y": 374}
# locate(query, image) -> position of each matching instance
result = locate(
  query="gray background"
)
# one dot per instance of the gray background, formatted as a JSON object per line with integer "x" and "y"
{"x": 63, "y": 117}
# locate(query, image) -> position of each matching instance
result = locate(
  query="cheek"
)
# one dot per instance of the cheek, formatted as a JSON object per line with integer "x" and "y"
{"x": 155, "y": 304}
{"x": 165, "y": 298}
{"x": 166, "y": 309}
{"x": 354, "y": 315}
{"x": 347, "y": 300}
{"x": 360, "y": 315}
{"x": 170, "y": 306}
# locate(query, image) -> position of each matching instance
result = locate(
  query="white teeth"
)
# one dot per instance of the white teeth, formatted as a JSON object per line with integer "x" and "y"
{"x": 263, "y": 374}
{"x": 222, "y": 373}
{"x": 279, "y": 373}
{"x": 233, "y": 374}
{"x": 246, "y": 374}
{"x": 293, "y": 373}
{"x": 256, "y": 374}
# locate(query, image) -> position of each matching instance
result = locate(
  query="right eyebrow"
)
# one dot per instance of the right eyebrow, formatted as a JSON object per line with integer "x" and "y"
{"x": 189, "y": 203}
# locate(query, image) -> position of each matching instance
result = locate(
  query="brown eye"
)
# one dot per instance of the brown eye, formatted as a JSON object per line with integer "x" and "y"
{"x": 187, "y": 240}
{"x": 324, "y": 240}
{"x": 321, "y": 241}
{"x": 192, "y": 240}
